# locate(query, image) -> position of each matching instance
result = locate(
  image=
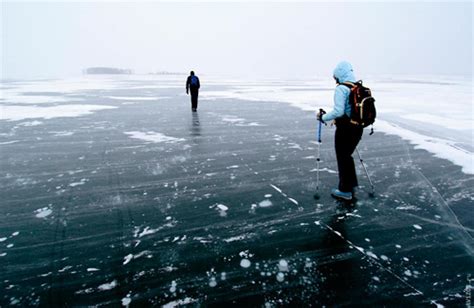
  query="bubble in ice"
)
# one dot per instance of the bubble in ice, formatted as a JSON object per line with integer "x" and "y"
{"x": 212, "y": 282}
{"x": 173, "y": 286}
{"x": 223, "y": 276}
{"x": 126, "y": 300}
{"x": 245, "y": 263}
{"x": 265, "y": 203}
{"x": 280, "y": 277}
{"x": 283, "y": 266}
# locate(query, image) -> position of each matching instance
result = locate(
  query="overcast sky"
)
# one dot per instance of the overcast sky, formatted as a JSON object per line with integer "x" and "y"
{"x": 242, "y": 39}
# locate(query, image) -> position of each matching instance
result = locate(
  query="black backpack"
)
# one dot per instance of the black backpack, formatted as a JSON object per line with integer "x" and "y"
{"x": 362, "y": 104}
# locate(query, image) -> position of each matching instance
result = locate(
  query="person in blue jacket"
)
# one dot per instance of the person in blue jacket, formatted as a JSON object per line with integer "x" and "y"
{"x": 347, "y": 135}
{"x": 193, "y": 84}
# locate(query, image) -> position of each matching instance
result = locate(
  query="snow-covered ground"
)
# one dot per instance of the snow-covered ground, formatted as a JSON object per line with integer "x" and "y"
{"x": 433, "y": 112}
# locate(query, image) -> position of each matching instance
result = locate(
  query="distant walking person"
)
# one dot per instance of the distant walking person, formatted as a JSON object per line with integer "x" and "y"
{"x": 347, "y": 135}
{"x": 192, "y": 83}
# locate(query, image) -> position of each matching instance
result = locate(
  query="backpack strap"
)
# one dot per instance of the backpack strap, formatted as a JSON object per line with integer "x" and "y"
{"x": 348, "y": 84}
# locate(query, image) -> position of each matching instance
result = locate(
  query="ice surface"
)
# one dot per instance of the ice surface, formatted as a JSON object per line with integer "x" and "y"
{"x": 148, "y": 209}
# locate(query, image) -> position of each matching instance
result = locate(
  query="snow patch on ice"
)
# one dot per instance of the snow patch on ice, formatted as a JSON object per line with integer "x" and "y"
{"x": 408, "y": 208}
{"x": 437, "y": 304}
{"x": 414, "y": 100}
{"x": 372, "y": 255}
{"x": 62, "y": 134}
{"x": 30, "y": 123}
{"x": 127, "y": 259}
{"x": 108, "y": 286}
{"x": 181, "y": 302}
{"x": 147, "y": 230}
{"x": 43, "y": 212}
{"x": 153, "y": 137}
{"x": 9, "y": 142}
{"x": 323, "y": 170}
{"x": 133, "y": 98}
{"x": 293, "y": 200}
{"x": 235, "y": 238}
{"x": 456, "y": 124}
{"x": 238, "y": 121}
{"x": 222, "y": 207}
{"x": 17, "y": 113}
{"x": 81, "y": 182}
{"x": 442, "y": 148}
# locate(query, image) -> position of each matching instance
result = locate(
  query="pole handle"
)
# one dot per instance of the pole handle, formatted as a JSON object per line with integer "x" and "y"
{"x": 321, "y": 112}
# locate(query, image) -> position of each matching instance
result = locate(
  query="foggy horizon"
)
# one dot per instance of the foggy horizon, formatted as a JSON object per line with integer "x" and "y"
{"x": 249, "y": 40}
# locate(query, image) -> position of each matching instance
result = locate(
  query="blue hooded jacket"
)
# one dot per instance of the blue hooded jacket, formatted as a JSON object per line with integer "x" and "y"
{"x": 343, "y": 72}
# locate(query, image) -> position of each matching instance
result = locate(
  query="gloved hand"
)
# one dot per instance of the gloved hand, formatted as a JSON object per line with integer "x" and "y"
{"x": 320, "y": 114}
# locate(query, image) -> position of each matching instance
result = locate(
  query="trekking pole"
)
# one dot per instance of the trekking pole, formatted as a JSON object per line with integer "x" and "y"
{"x": 318, "y": 159}
{"x": 372, "y": 194}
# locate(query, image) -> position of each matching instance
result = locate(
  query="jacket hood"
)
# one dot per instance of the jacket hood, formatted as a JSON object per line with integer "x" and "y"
{"x": 343, "y": 72}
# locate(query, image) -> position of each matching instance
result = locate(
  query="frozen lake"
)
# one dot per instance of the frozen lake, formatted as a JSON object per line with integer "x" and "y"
{"x": 114, "y": 193}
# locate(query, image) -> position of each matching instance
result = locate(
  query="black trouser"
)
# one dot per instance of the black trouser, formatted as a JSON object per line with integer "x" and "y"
{"x": 346, "y": 139}
{"x": 194, "y": 98}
